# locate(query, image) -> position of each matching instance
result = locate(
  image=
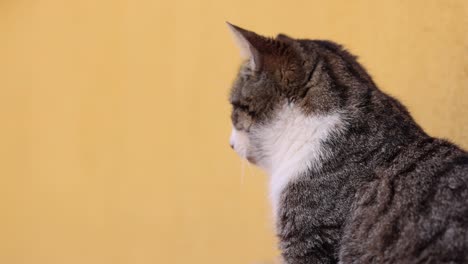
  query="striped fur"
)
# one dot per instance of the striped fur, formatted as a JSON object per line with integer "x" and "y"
{"x": 385, "y": 192}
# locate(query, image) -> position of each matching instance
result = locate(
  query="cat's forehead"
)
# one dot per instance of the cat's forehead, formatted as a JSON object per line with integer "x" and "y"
{"x": 251, "y": 86}
{"x": 243, "y": 77}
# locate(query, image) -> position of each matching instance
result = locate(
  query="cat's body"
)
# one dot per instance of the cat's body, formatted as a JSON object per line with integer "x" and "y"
{"x": 353, "y": 179}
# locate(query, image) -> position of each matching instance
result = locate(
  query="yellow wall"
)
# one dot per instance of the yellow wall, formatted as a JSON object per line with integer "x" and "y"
{"x": 114, "y": 118}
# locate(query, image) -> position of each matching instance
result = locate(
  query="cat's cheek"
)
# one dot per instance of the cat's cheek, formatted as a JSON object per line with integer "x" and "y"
{"x": 239, "y": 141}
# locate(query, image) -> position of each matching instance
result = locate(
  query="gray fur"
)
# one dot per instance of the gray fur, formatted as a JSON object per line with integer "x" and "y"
{"x": 387, "y": 193}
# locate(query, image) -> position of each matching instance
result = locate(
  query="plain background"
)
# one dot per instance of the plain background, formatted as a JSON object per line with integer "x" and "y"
{"x": 114, "y": 120}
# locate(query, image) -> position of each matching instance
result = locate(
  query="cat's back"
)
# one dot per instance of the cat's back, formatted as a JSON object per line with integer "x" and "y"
{"x": 415, "y": 210}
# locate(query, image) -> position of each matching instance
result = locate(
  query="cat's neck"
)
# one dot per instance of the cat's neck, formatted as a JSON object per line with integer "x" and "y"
{"x": 295, "y": 145}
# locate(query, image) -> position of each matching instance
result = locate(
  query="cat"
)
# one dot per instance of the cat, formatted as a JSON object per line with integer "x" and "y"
{"x": 352, "y": 177}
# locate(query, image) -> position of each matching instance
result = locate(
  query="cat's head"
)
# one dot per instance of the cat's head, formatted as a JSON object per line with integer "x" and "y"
{"x": 282, "y": 99}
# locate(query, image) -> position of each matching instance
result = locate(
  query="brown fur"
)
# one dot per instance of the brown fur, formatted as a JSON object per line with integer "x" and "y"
{"x": 387, "y": 193}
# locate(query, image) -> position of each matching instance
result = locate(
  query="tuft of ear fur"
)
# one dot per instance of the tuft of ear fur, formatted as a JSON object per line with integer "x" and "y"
{"x": 284, "y": 37}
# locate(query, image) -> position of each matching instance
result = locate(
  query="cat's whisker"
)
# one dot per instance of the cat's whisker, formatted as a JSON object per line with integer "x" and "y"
{"x": 242, "y": 171}
{"x": 336, "y": 149}
{"x": 250, "y": 169}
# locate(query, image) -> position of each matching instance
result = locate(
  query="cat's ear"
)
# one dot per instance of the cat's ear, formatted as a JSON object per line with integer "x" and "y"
{"x": 278, "y": 56}
{"x": 249, "y": 44}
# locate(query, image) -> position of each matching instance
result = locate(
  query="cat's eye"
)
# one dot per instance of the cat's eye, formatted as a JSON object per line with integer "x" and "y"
{"x": 240, "y": 106}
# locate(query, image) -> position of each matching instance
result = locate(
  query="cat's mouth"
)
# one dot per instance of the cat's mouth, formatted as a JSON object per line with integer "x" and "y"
{"x": 251, "y": 160}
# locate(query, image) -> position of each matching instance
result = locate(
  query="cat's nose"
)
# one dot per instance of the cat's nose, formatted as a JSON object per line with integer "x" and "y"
{"x": 232, "y": 145}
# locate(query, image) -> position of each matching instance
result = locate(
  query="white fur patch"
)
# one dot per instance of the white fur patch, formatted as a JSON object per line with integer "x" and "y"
{"x": 289, "y": 145}
{"x": 239, "y": 142}
{"x": 293, "y": 144}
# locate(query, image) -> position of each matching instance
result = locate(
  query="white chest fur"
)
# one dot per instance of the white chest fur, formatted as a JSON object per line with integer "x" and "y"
{"x": 293, "y": 143}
